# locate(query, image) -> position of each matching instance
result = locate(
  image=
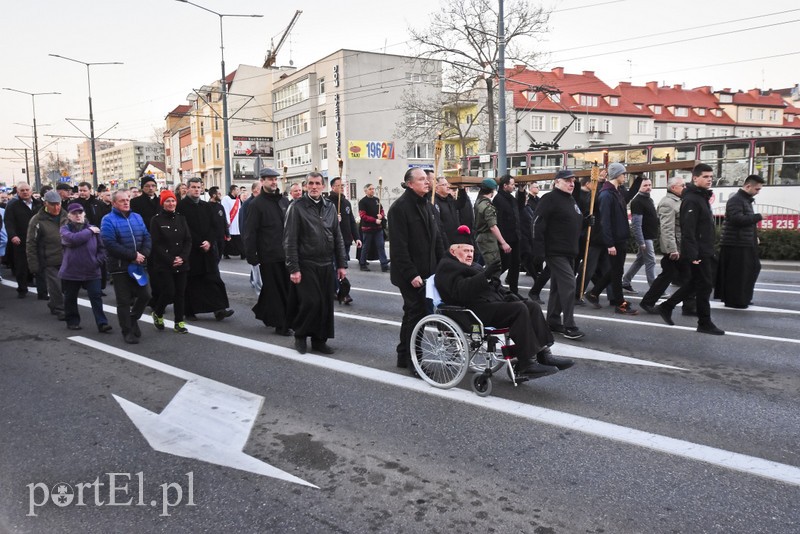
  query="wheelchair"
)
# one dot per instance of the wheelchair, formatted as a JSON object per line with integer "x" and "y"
{"x": 453, "y": 340}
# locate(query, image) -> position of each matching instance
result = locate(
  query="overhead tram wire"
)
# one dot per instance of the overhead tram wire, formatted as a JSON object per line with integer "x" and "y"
{"x": 691, "y": 28}
{"x": 679, "y": 41}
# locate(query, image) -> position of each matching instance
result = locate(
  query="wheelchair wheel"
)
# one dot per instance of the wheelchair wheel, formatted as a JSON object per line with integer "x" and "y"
{"x": 439, "y": 351}
{"x": 482, "y": 385}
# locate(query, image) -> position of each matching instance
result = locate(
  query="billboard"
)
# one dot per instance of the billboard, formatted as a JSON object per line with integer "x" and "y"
{"x": 253, "y": 146}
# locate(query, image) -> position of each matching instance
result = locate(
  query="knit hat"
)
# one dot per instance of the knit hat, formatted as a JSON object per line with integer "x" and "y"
{"x": 463, "y": 236}
{"x": 615, "y": 169}
{"x": 148, "y": 178}
{"x": 74, "y": 207}
{"x": 165, "y": 194}
{"x": 52, "y": 197}
{"x": 489, "y": 183}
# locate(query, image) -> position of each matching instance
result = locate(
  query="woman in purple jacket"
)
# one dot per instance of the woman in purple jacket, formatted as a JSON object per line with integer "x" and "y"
{"x": 84, "y": 254}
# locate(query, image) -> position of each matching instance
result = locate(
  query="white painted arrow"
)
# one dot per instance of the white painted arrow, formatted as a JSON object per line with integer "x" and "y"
{"x": 206, "y": 420}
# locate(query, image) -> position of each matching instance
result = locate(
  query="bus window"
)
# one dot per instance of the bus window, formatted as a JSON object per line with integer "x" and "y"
{"x": 584, "y": 160}
{"x": 474, "y": 167}
{"x": 778, "y": 162}
{"x": 542, "y": 163}
{"x": 730, "y": 162}
{"x": 662, "y": 153}
{"x": 518, "y": 165}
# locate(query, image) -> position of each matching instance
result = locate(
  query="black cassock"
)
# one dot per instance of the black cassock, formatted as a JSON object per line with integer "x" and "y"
{"x": 205, "y": 290}
{"x": 311, "y": 302}
{"x": 274, "y": 297}
{"x": 737, "y": 272}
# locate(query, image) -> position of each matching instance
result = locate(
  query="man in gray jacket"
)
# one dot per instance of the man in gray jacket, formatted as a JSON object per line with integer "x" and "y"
{"x": 44, "y": 251}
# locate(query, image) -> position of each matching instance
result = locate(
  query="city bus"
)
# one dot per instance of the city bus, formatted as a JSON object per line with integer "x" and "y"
{"x": 776, "y": 159}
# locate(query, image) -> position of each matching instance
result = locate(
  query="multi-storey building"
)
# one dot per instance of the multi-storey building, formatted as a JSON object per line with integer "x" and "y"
{"x": 344, "y": 107}
{"x": 680, "y": 113}
{"x": 121, "y": 165}
{"x": 755, "y": 112}
{"x": 579, "y": 107}
{"x": 178, "y": 145}
{"x": 83, "y": 164}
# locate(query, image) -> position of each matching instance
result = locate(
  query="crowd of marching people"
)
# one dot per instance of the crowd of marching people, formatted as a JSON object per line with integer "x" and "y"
{"x": 163, "y": 248}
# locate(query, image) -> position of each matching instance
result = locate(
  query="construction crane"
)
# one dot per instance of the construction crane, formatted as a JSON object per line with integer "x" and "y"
{"x": 272, "y": 54}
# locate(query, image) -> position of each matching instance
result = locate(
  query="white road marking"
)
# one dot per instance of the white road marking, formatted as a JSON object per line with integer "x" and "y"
{"x": 206, "y": 420}
{"x": 710, "y": 455}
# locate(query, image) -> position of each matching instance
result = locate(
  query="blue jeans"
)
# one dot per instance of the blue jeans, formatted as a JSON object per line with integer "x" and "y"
{"x": 373, "y": 239}
{"x": 646, "y": 258}
{"x": 71, "y": 289}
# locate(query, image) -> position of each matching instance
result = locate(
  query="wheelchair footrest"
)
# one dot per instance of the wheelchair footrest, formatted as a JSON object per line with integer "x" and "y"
{"x": 490, "y": 330}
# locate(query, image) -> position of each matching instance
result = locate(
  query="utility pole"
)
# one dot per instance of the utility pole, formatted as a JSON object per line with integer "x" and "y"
{"x": 36, "y": 168}
{"x": 502, "y": 159}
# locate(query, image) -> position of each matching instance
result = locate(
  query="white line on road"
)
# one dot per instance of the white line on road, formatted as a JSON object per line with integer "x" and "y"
{"x": 710, "y": 455}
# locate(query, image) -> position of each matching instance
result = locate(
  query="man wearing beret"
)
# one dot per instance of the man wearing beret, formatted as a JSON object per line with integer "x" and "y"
{"x": 463, "y": 283}
{"x": 489, "y": 239}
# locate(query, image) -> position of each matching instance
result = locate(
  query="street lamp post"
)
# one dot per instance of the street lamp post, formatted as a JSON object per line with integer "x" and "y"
{"x": 91, "y": 115}
{"x": 226, "y": 141}
{"x": 502, "y": 160}
{"x": 36, "y": 169}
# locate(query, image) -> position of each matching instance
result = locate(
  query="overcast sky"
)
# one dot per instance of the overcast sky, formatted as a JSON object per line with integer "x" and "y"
{"x": 168, "y": 48}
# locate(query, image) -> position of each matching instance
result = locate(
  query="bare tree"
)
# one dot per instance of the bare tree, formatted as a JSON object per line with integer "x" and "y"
{"x": 463, "y": 35}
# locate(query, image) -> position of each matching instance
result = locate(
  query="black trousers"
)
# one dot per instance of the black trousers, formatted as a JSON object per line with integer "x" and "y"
{"x": 131, "y": 300}
{"x": 528, "y": 327}
{"x": 415, "y": 307}
{"x": 171, "y": 289}
{"x": 700, "y": 283}
{"x": 23, "y": 274}
{"x": 613, "y": 276}
{"x": 510, "y": 262}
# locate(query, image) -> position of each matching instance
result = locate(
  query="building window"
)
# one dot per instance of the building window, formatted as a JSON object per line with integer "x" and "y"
{"x": 588, "y": 101}
{"x": 641, "y": 127}
{"x": 723, "y": 132}
{"x": 761, "y": 114}
{"x": 216, "y": 123}
{"x": 202, "y": 127}
{"x": 773, "y": 115}
{"x": 607, "y": 125}
{"x": 537, "y": 123}
{"x": 291, "y": 126}
{"x": 420, "y": 150}
{"x": 321, "y": 86}
{"x": 295, "y": 156}
{"x": 681, "y": 112}
{"x": 749, "y": 113}
{"x": 290, "y": 95}
{"x": 726, "y": 99}
{"x": 449, "y": 152}
{"x": 701, "y": 112}
{"x": 323, "y": 119}
{"x": 579, "y": 125}
{"x": 418, "y": 120}
{"x": 656, "y": 132}
{"x": 216, "y": 146}
{"x": 556, "y": 97}
{"x": 614, "y": 101}
{"x": 674, "y": 132}
{"x": 470, "y": 118}
{"x": 203, "y": 155}
{"x": 323, "y": 152}
{"x": 657, "y": 109}
{"x": 555, "y": 124}
{"x": 713, "y": 132}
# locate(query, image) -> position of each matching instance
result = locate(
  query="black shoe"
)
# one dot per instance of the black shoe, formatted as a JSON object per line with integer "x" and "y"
{"x": 300, "y": 345}
{"x": 557, "y": 328}
{"x": 135, "y": 330}
{"x": 322, "y": 347}
{"x": 665, "y": 314}
{"x": 74, "y": 326}
{"x": 281, "y": 331}
{"x": 649, "y": 308}
{"x": 627, "y": 288}
{"x": 545, "y": 357}
{"x": 536, "y": 298}
{"x": 130, "y": 338}
{"x": 536, "y": 370}
{"x": 385, "y": 269}
{"x": 710, "y": 328}
{"x": 103, "y": 328}
{"x": 222, "y": 314}
{"x": 61, "y": 316}
{"x": 365, "y": 268}
{"x": 626, "y": 309}
{"x": 347, "y": 300}
{"x": 573, "y": 333}
{"x": 594, "y": 300}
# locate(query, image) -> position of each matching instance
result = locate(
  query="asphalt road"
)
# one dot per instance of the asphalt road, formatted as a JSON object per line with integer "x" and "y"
{"x": 656, "y": 429}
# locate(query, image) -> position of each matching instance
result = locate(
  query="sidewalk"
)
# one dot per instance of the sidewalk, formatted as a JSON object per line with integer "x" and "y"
{"x": 780, "y": 265}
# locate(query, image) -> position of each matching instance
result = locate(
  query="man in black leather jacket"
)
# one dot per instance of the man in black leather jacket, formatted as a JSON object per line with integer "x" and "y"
{"x": 313, "y": 240}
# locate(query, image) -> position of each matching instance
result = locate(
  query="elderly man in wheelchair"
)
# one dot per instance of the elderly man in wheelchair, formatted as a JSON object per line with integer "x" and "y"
{"x": 462, "y": 283}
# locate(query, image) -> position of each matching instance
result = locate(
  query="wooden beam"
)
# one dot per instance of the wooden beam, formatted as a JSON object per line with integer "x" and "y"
{"x": 541, "y": 177}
